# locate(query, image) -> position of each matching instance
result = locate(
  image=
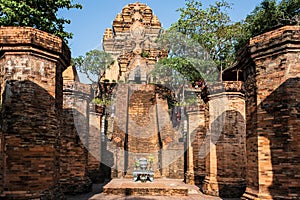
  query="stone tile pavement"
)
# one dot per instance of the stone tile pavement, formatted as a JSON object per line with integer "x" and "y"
{"x": 96, "y": 194}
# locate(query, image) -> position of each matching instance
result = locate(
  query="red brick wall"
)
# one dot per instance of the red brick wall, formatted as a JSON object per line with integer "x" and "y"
{"x": 74, "y": 139}
{"x": 31, "y": 114}
{"x": 94, "y": 156}
{"x": 143, "y": 115}
{"x": 30, "y": 135}
{"x": 272, "y": 85}
{"x": 226, "y": 145}
{"x": 197, "y": 131}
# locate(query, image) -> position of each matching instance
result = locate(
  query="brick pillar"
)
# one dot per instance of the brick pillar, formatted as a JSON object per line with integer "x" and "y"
{"x": 195, "y": 116}
{"x": 31, "y": 85}
{"x": 226, "y": 158}
{"x": 94, "y": 157}
{"x": 272, "y": 82}
{"x": 1, "y": 156}
{"x": 75, "y": 135}
{"x": 197, "y": 133}
{"x": 113, "y": 152}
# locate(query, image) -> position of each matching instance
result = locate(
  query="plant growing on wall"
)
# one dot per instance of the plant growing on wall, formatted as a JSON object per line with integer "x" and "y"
{"x": 102, "y": 102}
{"x": 40, "y": 14}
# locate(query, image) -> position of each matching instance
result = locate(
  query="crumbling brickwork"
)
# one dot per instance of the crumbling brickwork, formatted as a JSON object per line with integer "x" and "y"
{"x": 74, "y": 136}
{"x": 270, "y": 70}
{"x": 197, "y": 134}
{"x": 243, "y": 139}
{"x": 95, "y": 146}
{"x": 273, "y": 114}
{"x": 32, "y": 62}
{"x": 142, "y": 128}
{"x": 226, "y": 149}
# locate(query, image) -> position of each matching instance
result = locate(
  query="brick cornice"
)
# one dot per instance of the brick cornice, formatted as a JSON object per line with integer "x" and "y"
{"x": 28, "y": 39}
{"x": 278, "y": 41}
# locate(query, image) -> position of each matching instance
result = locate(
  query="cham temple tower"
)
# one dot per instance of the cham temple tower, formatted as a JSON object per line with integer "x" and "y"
{"x": 140, "y": 124}
{"x": 131, "y": 41}
{"x": 239, "y": 138}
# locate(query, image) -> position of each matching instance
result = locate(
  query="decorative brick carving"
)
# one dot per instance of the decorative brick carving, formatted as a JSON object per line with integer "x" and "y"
{"x": 131, "y": 41}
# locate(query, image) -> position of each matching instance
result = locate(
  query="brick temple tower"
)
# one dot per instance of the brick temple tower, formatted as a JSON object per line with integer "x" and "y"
{"x": 131, "y": 41}
{"x": 140, "y": 123}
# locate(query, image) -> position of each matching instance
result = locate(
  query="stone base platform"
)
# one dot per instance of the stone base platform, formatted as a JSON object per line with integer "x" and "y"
{"x": 169, "y": 186}
{"x": 159, "y": 187}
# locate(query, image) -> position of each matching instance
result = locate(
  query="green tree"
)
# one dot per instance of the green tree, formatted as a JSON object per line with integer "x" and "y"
{"x": 40, "y": 14}
{"x": 187, "y": 64}
{"x": 189, "y": 60}
{"x": 93, "y": 65}
{"x": 267, "y": 16}
{"x": 211, "y": 28}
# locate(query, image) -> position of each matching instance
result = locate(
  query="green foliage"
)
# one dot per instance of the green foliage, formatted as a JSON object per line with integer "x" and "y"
{"x": 40, "y": 14}
{"x": 150, "y": 158}
{"x": 187, "y": 61}
{"x": 267, "y": 16}
{"x": 93, "y": 64}
{"x": 183, "y": 66}
{"x": 145, "y": 54}
{"x": 211, "y": 28}
{"x": 103, "y": 102}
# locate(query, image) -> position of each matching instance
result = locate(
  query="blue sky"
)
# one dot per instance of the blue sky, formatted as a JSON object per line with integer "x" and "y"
{"x": 89, "y": 24}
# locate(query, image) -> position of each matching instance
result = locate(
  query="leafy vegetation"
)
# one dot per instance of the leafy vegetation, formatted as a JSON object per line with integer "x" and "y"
{"x": 211, "y": 28}
{"x": 40, "y": 14}
{"x": 103, "y": 102}
{"x": 93, "y": 65}
{"x": 267, "y": 16}
{"x": 204, "y": 39}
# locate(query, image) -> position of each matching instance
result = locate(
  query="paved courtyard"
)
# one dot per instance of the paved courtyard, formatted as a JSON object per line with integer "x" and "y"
{"x": 97, "y": 193}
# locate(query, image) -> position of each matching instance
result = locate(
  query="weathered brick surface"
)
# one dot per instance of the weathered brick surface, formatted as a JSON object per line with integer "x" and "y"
{"x": 144, "y": 118}
{"x": 143, "y": 139}
{"x": 95, "y": 147}
{"x": 142, "y": 124}
{"x": 226, "y": 158}
{"x": 30, "y": 39}
{"x": 30, "y": 134}
{"x": 31, "y": 73}
{"x": 197, "y": 134}
{"x": 131, "y": 41}
{"x": 1, "y": 161}
{"x": 43, "y": 141}
{"x": 74, "y": 137}
{"x": 272, "y": 102}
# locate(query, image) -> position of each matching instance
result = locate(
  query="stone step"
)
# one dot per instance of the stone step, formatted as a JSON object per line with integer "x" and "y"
{"x": 160, "y": 187}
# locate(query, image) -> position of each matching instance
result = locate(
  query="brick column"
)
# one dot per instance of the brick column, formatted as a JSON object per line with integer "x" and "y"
{"x": 94, "y": 156}
{"x": 32, "y": 62}
{"x": 272, "y": 83}
{"x": 75, "y": 135}
{"x": 195, "y": 144}
{"x": 226, "y": 158}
